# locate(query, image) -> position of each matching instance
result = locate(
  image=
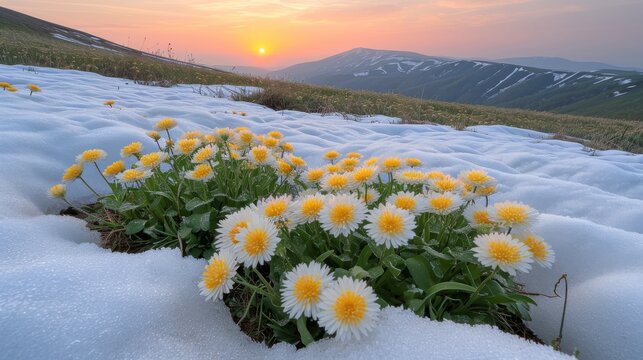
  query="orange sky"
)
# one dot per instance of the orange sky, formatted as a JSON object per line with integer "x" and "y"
{"x": 232, "y": 31}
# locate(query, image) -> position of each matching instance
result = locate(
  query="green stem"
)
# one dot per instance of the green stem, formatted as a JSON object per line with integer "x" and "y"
{"x": 89, "y": 187}
{"x": 473, "y": 296}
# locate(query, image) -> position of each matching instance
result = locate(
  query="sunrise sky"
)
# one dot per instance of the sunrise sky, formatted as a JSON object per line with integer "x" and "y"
{"x": 233, "y": 31}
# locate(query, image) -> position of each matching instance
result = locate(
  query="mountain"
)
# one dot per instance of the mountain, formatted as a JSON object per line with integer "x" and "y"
{"x": 243, "y": 70}
{"x": 556, "y": 63}
{"x": 603, "y": 93}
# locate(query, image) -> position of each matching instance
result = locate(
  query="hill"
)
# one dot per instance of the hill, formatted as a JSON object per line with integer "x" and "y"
{"x": 561, "y": 64}
{"x": 612, "y": 94}
{"x": 29, "y": 41}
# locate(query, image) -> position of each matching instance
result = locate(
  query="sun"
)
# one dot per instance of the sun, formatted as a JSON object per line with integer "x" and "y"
{"x": 262, "y": 51}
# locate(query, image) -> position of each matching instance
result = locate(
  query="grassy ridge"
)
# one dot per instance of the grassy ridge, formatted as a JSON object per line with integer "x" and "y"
{"x": 26, "y": 40}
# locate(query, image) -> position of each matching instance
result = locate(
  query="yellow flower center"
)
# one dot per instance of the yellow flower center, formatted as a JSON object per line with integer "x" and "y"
{"x": 151, "y": 160}
{"x": 256, "y": 242}
{"x": 330, "y": 155}
{"x": 372, "y": 161}
{"x": 92, "y": 155}
{"x": 133, "y": 175}
{"x": 270, "y": 142}
{"x": 275, "y": 208}
{"x": 154, "y": 134}
{"x": 307, "y": 289}
{"x": 165, "y": 124}
{"x": 201, "y": 171}
{"x": 314, "y": 175}
{"x": 405, "y": 202}
{"x": 284, "y": 167}
{"x": 275, "y": 134}
{"x": 203, "y": 154}
{"x": 504, "y": 253}
{"x": 354, "y": 155}
{"x": 392, "y": 163}
{"x": 441, "y": 203}
{"x": 512, "y": 213}
{"x": 482, "y": 217}
{"x": 297, "y": 161}
{"x": 390, "y": 223}
{"x": 349, "y": 307}
{"x": 337, "y": 181}
{"x": 413, "y": 162}
{"x": 311, "y": 207}
{"x": 435, "y": 175}
{"x": 133, "y": 148}
{"x": 412, "y": 175}
{"x": 192, "y": 135}
{"x": 215, "y": 274}
{"x": 232, "y": 234}
{"x": 363, "y": 174}
{"x": 477, "y": 176}
{"x": 73, "y": 172}
{"x": 259, "y": 154}
{"x": 186, "y": 146}
{"x": 115, "y": 168}
{"x": 446, "y": 184}
{"x": 341, "y": 214}
{"x": 246, "y": 136}
{"x": 57, "y": 191}
{"x": 537, "y": 248}
{"x": 486, "y": 191}
{"x": 333, "y": 168}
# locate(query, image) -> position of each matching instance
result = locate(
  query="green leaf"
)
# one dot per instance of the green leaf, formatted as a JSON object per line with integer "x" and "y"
{"x": 358, "y": 273}
{"x": 449, "y": 286}
{"x": 366, "y": 253}
{"x": 376, "y": 272}
{"x": 306, "y": 338}
{"x": 184, "y": 231}
{"x": 195, "y": 203}
{"x": 436, "y": 253}
{"x": 419, "y": 268}
{"x": 134, "y": 226}
{"x": 322, "y": 257}
{"x": 339, "y": 272}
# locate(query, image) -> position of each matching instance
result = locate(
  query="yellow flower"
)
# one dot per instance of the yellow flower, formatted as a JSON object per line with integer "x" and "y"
{"x": 154, "y": 135}
{"x": 204, "y": 154}
{"x": 331, "y": 155}
{"x": 33, "y": 88}
{"x": 336, "y": 182}
{"x": 446, "y": 184}
{"x": 114, "y": 169}
{"x": 91, "y": 155}
{"x": 165, "y": 124}
{"x": 152, "y": 160}
{"x": 209, "y": 138}
{"x": 287, "y": 147}
{"x": 364, "y": 175}
{"x": 413, "y": 162}
{"x": 391, "y": 164}
{"x": 57, "y": 191}
{"x": 348, "y": 164}
{"x": 275, "y": 134}
{"x": 513, "y": 214}
{"x": 246, "y": 136}
{"x": 260, "y": 155}
{"x": 372, "y": 161}
{"x": 432, "y": 175}
{"x": 503, "y": 251}
{"x": 284, "y": 168}
{"x": 354, "y": 155}
{"x": 540, "y": 250}
{"x": 270, "y": 142}
{"x": 131, "y": 149}
{"x": 109, "y": 103}
{"x": 296, "y": 161}
{"x": 4, "y": 85}
{"x": 409, "y": 176}
{"x": 194, "y": 134}
{"x": 475, "y": 178}
{"x": 11, "y": 89}
{"x": 201, "y": 172}
{"x": 132, "y": 175}
{"x": 486, "y": 190}
{"x": 187, "y": 146}
{"x": 73, "y": 172}
{"x": 314, "y": 175}
{"x": 333, "y": 168}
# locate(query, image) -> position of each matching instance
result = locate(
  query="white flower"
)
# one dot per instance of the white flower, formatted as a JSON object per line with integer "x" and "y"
{"x": 514, "y": 215}
{"x": 364, "y": 175}
{"x": 540, "y": 250}
{"x": 476, "y": 178}
{"x": 342, "y": 214}
{"x": 307, "y": 208}
{"x": 204, "y": 154}
{"x": 133, "y": 175}
{"x": 390, "y": 226}
{"x": 478, "y": 215}
{"x": 443, "y": 203}
{"x": 201, "y": 172}
{"x": 336, "y": 182}
{"x": 302, "y": 289}
{"x": 409, "y": 176}
{"x": 218, "y": 274}
{"x": 275, "y": 207}
{"x": 257, "y": 242}
{"x": 413, "y": 203}
{"x": 229, "y": 228}
{"x": 348, "y": 308}
{"x": 503, "y": 251}
{"x": 261, "y": 155}
{"x": 370, "y": 196}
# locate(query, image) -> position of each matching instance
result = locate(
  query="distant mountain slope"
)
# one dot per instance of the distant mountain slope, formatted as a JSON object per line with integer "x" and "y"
{"x": 610, "y": 94}
{"x": 556, "y": 63}
{"x": 243, "y": 70}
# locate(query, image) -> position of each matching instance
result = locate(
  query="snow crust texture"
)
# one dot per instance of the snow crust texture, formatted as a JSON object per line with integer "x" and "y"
{"x": 62, "y": 296}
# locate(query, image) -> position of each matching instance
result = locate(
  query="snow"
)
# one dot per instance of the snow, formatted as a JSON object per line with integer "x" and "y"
{"x": 358, "y": 74}
{"x": 625, "y": 81}
{"x": 618, "y": 93}
{"x": 557, "y": 76}
{"x": 63, "y": 296}
{"x": 503, "y": 80}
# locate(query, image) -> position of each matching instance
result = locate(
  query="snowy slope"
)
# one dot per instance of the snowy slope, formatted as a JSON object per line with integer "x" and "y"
{"x": 62, "y": 296}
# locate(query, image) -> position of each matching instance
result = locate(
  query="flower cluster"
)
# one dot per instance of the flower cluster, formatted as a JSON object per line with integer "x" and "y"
{"x": 302, "y": 252}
